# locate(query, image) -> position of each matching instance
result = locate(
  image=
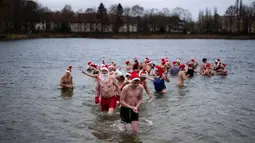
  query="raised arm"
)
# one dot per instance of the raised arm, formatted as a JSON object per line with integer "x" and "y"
{"x": 90, "y": 75}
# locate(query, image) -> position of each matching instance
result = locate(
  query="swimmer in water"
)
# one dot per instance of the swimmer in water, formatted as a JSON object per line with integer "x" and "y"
{"x": 107, "y": 88}
{"x": 208, "y": 71}
{"x": 130, "y": 99}
{"x": 182, "y": 75}
{"x": 67, "y": 79}
{"x": 223, "y": 70}
{"x": 128, "y": 66}
{"x": 217, "y": 65}
{"x": 174, "y": 70}
{"x": 159, "y": 80}
{"x": 203, "y": 66}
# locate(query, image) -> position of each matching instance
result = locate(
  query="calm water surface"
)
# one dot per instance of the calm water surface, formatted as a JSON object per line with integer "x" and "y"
{"x": 34, "y": 109}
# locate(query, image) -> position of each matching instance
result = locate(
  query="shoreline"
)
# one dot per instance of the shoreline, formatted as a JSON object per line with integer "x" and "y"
{"x": 8, "y": 37}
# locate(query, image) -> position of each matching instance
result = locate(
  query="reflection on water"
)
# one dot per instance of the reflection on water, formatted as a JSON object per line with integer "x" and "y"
{"x": 67, "y": 93}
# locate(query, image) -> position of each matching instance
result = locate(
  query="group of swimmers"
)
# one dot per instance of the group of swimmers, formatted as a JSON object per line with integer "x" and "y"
{"x": 115, "y": 88}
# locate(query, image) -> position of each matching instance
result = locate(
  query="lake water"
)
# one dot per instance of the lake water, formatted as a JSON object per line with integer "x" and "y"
{"x": 34, "y": 109}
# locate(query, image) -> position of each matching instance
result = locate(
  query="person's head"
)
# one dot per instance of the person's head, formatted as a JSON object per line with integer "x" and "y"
{"x": 174, "y": 63}
{"x": 217, "y": 61}
{"x": 104, "y": 70}
{"x": 182, "y": 67}
{"x": 178, "y": 61}
{"x": 135, "y": 80}
{"x": 127, "y": 62}
{"x": 128, "y": 75}
{"x": 114, "y": 64}
{"x": 190, "y": 65}
{"x": 208, "y": 66}
{"x": 119, "y": 76}
{"x": 143, "y": 75}
{"x": 68, "y": 72}
{"x": 158, "y": 71}
{"x": 111, "y": 68}
{"x": 204, "y": 60}
{"x": 163, "y": 62}
{"x": 70, "y": 67}
{"x": 135, "y": 60}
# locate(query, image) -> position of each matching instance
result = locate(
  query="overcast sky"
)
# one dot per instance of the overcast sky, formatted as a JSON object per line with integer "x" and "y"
{"x": 192, "y": 5}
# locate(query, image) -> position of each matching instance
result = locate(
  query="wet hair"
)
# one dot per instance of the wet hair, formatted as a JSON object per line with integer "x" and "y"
{"x": 204, "y": 59}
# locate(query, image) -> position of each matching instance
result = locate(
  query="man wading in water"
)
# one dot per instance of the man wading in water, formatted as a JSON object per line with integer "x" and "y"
{"x": 107, "y": 87}
{"x": 67, "y": 79}
{"x": 130, "y": 99}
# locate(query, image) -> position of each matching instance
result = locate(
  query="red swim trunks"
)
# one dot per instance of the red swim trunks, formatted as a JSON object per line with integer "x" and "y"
{"x": 107, "y": 103}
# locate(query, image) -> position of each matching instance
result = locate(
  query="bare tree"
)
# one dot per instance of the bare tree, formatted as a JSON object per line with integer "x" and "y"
{"x": 127, "y": 12}
{"x": 113, "y": 9}
{"x": 91, "y": 10}
{"x": 230, "y": 14}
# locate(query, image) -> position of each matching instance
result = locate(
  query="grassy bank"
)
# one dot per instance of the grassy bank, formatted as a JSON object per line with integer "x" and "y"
{"x": 125, "y": 36}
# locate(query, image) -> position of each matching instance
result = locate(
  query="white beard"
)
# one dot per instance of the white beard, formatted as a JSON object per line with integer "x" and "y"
{"x": 104, "y": 77}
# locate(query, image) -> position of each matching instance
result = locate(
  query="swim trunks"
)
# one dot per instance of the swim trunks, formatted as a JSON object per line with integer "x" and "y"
{"x": 190, "y": 72}
{"x": 107, "y": 103}
{"x": 127, "y": 115}
{"x": 159, "y": 84}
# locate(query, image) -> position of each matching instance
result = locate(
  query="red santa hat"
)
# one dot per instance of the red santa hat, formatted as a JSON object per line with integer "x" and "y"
{"x": 190, "y": 65}
{"x": 110, "y": 66}
{"x": 89, "y": 63}
{"x": 178, "y": 60}
{"x": 159, "y": 70}
{"x": 68, "y": 70}
{"x": 192, "y": 60}
{"x": 224, "y": 65}
{"x": 182, "y": 66}
{"x": 167, "y": 60}
{"x": 208, "y": 65}
{"x": 134, "y": 76}
{"x": 94, "y": 65}
{"x": 147, "y": 60}
{"x": 104, "y": 67}
{"x": 163, "y": 61}
{"x": 174, "y": 62}
{"x": 217, "y": 60}
{"x": 143, "y": 73}
{"x": 127, "y": 62}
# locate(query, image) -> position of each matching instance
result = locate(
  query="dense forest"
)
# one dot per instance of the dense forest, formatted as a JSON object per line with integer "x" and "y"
{"x": 20, "y": 16}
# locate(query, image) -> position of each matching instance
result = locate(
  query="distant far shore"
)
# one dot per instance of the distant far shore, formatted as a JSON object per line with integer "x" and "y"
{"x": 125, "y": 36}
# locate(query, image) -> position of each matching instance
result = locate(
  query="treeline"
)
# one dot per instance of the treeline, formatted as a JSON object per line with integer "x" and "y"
{"x": 20, "y": 16}
{"x": 238, "y": 18}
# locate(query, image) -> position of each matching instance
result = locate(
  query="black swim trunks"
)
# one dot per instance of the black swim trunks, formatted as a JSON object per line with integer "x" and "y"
{"x": 127, "y": 115}
{"x": 190, "y": 72}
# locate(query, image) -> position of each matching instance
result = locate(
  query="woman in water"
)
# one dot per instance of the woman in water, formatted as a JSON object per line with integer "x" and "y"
{"x": 159, "y": 80}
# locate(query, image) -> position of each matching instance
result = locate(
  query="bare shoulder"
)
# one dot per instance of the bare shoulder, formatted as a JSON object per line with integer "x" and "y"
{"x": 125, "y": 88}
{"x": 140, "y": 87}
